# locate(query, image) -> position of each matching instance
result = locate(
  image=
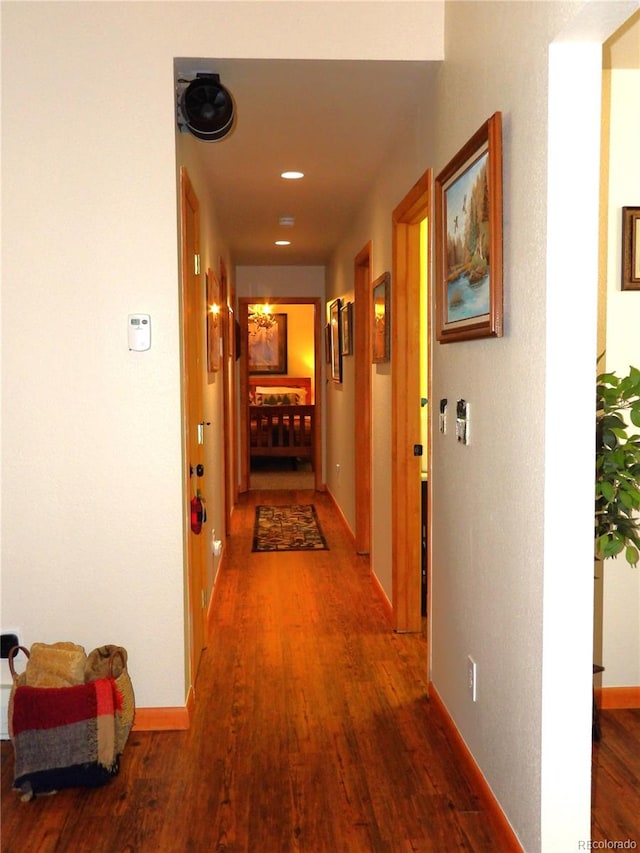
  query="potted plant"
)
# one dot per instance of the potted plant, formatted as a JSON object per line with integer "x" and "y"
{"x": 617, "y": 523}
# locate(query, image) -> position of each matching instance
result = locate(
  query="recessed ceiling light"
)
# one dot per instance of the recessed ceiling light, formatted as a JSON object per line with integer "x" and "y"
{"x": 292, "y": 176}
{"x": 287, "y": 221}
{"x": 283, "y": 242}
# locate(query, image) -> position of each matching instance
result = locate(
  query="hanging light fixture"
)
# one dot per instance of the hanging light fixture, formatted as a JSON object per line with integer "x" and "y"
{"x": 262, "y": 317}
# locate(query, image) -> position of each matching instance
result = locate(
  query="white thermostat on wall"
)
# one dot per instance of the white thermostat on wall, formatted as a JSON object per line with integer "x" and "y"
{"x": 139, "y": 332}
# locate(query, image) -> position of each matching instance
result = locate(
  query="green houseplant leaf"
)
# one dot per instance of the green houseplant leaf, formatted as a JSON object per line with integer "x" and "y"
{"x": 617, "y": 493}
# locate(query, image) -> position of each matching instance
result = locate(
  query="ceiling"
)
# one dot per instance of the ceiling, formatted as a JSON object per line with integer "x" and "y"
{"x": 333, "y": 120}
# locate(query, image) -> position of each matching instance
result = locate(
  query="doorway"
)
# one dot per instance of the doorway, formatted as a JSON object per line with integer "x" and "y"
{"x": 410, "y": 277}
{"x": 298, "y": 358}
{"x": 229, "y": 386}
{"x": 194, "y": 369}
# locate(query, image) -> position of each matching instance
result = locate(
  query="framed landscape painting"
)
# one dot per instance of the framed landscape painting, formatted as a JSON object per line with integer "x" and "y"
{"x": 468, "y": 239}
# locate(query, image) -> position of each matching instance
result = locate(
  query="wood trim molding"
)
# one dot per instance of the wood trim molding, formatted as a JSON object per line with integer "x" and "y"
{"x": 508, "y": 841}
{"x": 243, "y": 316}
{"x": 406, "y": 512}
{"x": 610, "y": 698}
{"x": 338, "y": 509}
{"x": 383, "y": 598}
{"x": 211, "y": 610}
{"x": 161, "y": 719}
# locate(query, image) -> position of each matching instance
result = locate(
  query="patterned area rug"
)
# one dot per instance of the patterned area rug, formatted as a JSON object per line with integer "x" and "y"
{"x": 288, "y": 528}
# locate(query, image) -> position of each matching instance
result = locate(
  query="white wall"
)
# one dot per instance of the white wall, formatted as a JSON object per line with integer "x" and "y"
{"x": 260, "y": 282}
{"x": 92, "y": 539}
{"x": 488, "y": 498}
{"x": 503, "y": 568}
{"x": 621, "y": 629}
{"x": 403, "y": 167}
{"x": 91, "y": 482}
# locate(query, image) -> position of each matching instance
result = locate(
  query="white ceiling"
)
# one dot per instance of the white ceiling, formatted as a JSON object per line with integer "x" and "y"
{"x": 333, "y": 120}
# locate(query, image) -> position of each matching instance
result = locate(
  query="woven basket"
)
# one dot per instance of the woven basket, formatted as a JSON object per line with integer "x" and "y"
{"x": 124, "y": 717}
{"x": 18, "y": 680}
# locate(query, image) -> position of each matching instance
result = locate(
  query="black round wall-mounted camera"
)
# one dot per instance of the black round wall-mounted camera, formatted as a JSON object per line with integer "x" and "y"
{"x": 207, "y": 108}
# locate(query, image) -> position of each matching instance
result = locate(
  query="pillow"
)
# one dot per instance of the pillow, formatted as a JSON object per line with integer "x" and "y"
{"x": 295, "y": 394}
{"x": 292, "y": 397}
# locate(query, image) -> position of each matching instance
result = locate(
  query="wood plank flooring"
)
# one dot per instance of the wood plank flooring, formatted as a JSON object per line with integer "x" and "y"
{"x": 615, "y": 778}
{"x": 312, "y": 732}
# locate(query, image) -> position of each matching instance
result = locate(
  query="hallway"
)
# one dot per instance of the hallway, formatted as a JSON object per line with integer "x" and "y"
{"x": 312, "y": 730}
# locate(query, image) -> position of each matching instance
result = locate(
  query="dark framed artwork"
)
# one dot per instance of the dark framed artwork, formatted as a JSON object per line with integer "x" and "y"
{"x": 327, "y": 343}
{"x": 468, "y": 239}
{"x": 381, "y": 319}
{"x": 213, "y": 322}
{"x": 336, "y": 347}
{"x": 267, "y": 347}
{"x": 346, "y": 328}
{"x": 631, "y": 248}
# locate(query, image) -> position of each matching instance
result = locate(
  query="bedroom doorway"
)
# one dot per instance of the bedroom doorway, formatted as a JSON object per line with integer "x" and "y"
{"x": 280, "y": 400}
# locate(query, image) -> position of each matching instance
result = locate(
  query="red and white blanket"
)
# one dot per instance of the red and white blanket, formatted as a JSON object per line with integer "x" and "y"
{"x": 65, "y": 737}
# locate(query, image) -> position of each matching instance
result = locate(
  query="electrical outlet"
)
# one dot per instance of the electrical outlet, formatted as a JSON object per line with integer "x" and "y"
{"x": 472, "y": 678}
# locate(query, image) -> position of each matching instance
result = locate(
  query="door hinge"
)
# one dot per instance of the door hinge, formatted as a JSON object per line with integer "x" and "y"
{"x": 196, "y": 264}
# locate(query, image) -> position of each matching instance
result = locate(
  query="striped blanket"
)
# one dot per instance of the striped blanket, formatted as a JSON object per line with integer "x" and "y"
{"x": 65, "y": 737}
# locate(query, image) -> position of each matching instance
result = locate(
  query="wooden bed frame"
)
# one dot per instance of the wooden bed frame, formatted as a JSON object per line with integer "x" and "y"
{"x": 281, "y": 431}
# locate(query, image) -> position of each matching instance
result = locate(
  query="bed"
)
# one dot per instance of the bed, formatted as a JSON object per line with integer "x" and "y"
{"x": 281, "y": 417}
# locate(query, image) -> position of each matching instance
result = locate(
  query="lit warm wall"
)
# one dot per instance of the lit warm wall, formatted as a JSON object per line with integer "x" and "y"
{"x": 282, "y": 282}
{"x": 300, "y": 328}
{"x": 300, "y": 350}
{"x": 621, "y": 606}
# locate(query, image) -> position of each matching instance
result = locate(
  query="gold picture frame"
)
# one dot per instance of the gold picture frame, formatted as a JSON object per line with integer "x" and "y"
{"x": 213, "y": 322}
{"x": 381, "y": 319}
{"x": 630, "y": 248}
{"x": 336, "y": 346}
{"x": 468, "y": 239}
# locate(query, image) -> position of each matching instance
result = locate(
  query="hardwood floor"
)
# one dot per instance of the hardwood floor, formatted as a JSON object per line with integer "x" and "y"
{"x": 312, "y": 732}
{"x": 615, "y": 778}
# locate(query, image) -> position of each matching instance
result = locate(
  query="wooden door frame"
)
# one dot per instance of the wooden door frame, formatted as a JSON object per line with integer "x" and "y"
{"x": 195, "y": 630}
{"x": 243, "y": 319}
{"x": 362, "y": 416}
{"x": 406, "y": 521}
{"x": 229, "y": 442}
